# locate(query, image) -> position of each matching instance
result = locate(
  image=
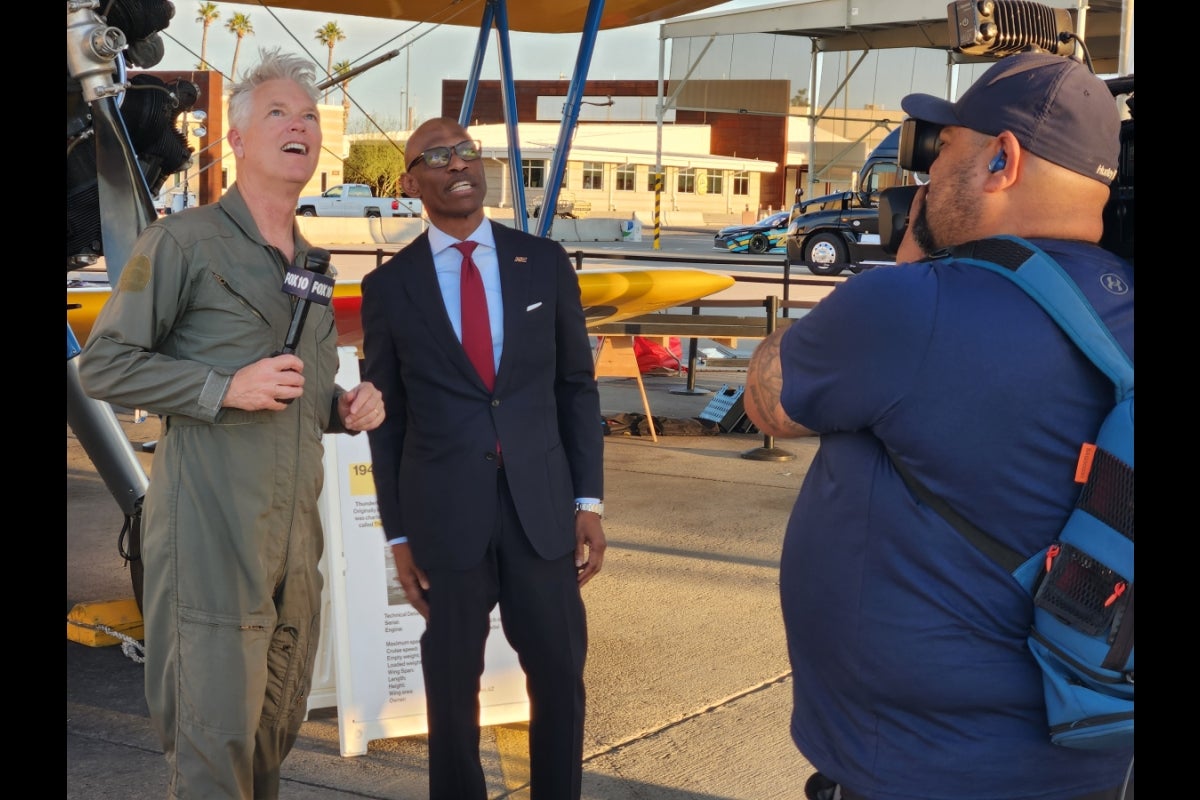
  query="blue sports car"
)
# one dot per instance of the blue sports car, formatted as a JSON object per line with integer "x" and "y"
{"x": 768, "y": 235}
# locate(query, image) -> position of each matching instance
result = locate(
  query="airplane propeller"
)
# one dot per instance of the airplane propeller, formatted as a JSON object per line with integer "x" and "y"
{"x": 118, "y": 204}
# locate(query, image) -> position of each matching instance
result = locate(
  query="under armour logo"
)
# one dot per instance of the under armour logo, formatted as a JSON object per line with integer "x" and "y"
{"x": 1114, "y": 284}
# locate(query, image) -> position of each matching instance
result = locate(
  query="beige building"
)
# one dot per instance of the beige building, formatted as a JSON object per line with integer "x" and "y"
{"x": 611, "y": 170}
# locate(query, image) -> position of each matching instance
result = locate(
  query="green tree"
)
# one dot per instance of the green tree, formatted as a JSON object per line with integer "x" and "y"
{"x": 377, "y": 162}
{"x": 329, "y": 35}
{"x": 208, "y": 15}
{"x": 340, "y": 69}
{"x": 240, "y": 27}
{"x": 800, "y": 98}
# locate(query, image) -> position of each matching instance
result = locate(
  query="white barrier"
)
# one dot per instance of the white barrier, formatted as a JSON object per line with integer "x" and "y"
{"x": 396, "y": 229}
{"x": 586, "y": 230}
{"x": 360, "y": 230}
{"x": 401, "y": 230}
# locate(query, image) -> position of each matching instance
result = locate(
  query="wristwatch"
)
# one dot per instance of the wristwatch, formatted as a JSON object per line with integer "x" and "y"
{"x": 595, "y": 508}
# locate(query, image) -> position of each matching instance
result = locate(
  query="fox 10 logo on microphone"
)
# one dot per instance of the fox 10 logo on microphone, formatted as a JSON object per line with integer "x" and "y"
{"x": 308, "y": 285}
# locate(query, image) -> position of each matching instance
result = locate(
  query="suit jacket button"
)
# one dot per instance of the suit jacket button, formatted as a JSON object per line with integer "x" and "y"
{"x": 489, "y": 456}
{"x": 495, "y": 402}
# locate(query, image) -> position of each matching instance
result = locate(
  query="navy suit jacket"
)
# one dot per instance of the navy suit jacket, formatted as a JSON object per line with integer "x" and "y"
{"x": 434, "y": 458}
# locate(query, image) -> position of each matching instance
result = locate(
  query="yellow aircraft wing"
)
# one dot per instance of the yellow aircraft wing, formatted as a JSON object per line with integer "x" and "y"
{"x": 608, "y": 295}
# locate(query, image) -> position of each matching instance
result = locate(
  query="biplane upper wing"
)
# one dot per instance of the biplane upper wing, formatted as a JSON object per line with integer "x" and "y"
{"x": 528, "y": 16}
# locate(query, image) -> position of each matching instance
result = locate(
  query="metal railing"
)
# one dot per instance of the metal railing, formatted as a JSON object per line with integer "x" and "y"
{"x": 693, "y": 324}
{"x": 785, "y": 280}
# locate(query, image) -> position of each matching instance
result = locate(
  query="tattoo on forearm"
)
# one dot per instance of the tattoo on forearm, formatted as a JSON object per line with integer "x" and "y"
{"x": 764, "y": 382}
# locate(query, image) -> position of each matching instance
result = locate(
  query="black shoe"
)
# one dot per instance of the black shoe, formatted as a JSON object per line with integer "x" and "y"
{"x": 819, "y": 787}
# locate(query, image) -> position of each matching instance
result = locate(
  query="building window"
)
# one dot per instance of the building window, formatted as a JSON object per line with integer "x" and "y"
{"x": 533, "y": 173}
{"x": 715, "y": 182}
{"x": 626, "y": 174}
{"x": 685, "y": 181}
{"x": 652, "y": 179}
{"x": 593, "y": 175}
{"x": 741, "y": 182}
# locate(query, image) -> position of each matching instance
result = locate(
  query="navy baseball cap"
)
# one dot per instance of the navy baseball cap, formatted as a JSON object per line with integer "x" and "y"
{"x": 1054, "y": 105}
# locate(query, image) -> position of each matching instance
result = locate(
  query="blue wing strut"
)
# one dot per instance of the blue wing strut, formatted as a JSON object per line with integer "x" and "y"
{"x": 496, "y": 14}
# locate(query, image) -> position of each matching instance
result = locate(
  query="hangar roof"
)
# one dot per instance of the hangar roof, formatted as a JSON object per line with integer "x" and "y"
{"x": 841, "y": 25}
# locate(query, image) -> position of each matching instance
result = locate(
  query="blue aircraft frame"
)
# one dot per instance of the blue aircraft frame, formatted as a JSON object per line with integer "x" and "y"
{"x": 496, "y": 15}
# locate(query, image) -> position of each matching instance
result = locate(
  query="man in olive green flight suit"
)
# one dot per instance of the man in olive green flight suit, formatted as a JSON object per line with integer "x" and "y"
{"x": 231, "y": 536}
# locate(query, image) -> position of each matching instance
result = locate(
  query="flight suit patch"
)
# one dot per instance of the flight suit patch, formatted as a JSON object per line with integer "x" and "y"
{"x": 136, "y": 274}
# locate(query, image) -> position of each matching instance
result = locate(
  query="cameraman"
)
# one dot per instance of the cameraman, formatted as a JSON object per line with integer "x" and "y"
{"x": 912, "y": 678}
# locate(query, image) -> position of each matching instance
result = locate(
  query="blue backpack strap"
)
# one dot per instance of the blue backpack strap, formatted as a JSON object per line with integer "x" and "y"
{"x": 991, "y": 547}
{"x": 1046, "y": 282}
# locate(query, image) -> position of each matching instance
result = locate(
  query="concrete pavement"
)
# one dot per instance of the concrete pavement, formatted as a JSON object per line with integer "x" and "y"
{"x": 689, "y": 688}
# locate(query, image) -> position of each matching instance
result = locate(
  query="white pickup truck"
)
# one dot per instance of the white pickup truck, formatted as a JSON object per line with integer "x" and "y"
{"x": 356, "y": 200}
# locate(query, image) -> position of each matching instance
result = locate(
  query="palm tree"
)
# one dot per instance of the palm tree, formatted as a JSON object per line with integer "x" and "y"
{"x": 329, "y": 35}
{"x": 240, "y": 27}
{"x": 339, "y": 69}
{"x": 208, "y": 15}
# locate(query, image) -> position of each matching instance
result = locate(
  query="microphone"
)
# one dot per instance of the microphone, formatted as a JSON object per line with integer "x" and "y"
{"x": 309, "y": 285}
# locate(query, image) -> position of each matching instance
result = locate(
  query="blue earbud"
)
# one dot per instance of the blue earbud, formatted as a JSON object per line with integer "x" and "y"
{"x": 998, "y": 163}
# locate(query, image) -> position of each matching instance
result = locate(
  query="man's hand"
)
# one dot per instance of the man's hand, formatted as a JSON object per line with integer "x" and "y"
{"x": 361, "y": 408}
{"x": 412, "y": 578}
{"x": 909, "y": 250}
{"x": 266, "y": 384}
{"x": 589, "y": 545}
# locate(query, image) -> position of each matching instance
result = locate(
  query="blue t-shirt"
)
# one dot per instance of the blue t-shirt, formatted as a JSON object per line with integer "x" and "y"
{"x": 912, "y": 677}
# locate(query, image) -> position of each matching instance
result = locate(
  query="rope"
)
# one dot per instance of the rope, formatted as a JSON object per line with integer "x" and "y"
{"x": 131, "y": 647}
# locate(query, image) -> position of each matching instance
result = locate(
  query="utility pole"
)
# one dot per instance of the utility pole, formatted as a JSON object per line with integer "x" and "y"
{"x": 407, "y": 96}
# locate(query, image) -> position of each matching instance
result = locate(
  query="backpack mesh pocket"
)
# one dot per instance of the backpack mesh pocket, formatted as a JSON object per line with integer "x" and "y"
{"x": 1080, "y": 591}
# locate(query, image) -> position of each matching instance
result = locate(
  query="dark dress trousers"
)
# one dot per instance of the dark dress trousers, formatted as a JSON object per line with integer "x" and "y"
{"x": 490, "y": 528}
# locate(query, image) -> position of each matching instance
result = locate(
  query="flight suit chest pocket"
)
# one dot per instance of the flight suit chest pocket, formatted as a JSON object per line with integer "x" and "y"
{"x": 231, "y": 322}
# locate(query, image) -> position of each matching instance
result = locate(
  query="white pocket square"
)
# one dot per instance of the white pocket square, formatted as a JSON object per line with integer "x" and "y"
{"x": 532, "y": 307}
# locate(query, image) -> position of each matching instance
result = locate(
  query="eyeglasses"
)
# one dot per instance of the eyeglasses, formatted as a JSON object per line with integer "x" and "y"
{"x": 439, "y": 157}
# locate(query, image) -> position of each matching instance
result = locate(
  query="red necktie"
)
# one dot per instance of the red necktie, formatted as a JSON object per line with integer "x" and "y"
{"x": 476, "y": 328}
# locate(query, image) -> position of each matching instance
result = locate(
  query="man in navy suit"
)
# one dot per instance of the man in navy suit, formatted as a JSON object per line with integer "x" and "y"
{"x": 488, "y": 493}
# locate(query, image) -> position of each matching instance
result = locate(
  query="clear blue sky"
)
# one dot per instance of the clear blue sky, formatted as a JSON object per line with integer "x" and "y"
{"x": 438, "y": 53}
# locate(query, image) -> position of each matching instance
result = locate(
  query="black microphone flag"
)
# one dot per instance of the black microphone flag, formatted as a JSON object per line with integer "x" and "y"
{"x": 308, "y": 285}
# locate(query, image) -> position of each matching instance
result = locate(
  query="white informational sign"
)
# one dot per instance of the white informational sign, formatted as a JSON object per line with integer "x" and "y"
{"x": 370, "y": 635}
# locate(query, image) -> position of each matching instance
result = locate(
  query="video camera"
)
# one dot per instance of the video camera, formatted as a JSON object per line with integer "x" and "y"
{"x": 1001, "y": 28}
